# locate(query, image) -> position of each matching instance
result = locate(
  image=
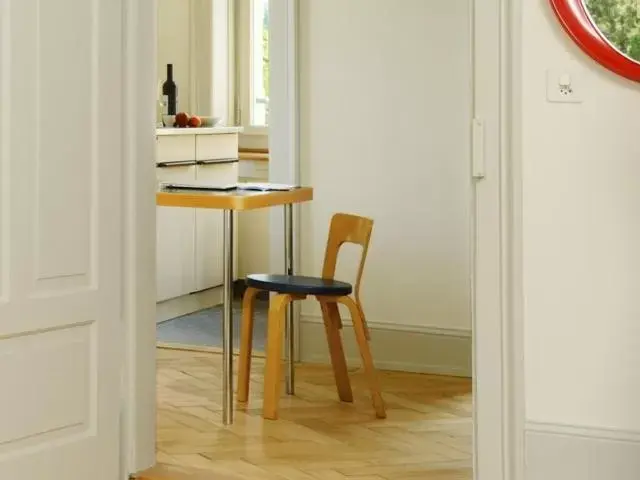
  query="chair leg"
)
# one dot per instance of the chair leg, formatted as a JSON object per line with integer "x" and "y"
{"x": 246, "y": 344}
{"x": 365, "y": 353}
{"x": 273, "y": 367}
{"x": 332, "y": 325}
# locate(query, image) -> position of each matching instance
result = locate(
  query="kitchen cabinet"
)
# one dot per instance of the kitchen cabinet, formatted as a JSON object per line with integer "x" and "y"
{"x": 175, "y": 148}
{"x": 175, "y": 240}
{"x": 216, "y": 147}
{"x": 189, "y": 241}
{"x": 209, "y": 228}
{"x": 253, "y": 225}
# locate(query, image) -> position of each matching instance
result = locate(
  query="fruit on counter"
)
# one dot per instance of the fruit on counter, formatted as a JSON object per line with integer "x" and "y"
{"x": 195, "y": 121}
{"x": 182, "y": 119}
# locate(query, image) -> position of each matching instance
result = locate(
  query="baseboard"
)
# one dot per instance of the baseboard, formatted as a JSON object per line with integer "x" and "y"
{"x": 203, "y": 349}
{"x": 572, "y": 452}
{"x": 186, "y": 304}
{"x": 395, "y": 347}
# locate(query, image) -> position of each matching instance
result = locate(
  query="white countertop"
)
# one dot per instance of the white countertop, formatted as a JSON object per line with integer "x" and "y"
{"x": 197, "y": 131}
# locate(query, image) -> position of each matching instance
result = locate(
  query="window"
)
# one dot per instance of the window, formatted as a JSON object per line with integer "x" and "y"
{"x": 619, "y": 22}
{"x": 252, "y": 102}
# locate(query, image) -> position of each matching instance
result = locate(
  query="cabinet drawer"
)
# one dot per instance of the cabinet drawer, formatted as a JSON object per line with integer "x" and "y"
{"x": 209, "y": 244}
{"x": 175, "y": 239}
{"x": 218, "y": 173}
{"x": 176, "y": 148}
{"x": 210, "y": 147}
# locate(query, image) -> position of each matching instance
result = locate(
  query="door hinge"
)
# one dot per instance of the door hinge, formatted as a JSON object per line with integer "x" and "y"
{"x": 477, "y": 149}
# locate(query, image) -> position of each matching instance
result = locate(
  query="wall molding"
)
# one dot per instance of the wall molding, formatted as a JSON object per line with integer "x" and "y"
{"x": 397, "y": 327}
{"x": 595, "y": 433}
{"x": 575, "y": 452}
{"x": 407, "y": 348}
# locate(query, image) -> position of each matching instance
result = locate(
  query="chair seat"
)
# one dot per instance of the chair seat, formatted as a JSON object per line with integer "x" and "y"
{"x": 298, "y": 284}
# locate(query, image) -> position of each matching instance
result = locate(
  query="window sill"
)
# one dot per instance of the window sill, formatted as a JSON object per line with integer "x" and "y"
{"x": 250, "y": 130}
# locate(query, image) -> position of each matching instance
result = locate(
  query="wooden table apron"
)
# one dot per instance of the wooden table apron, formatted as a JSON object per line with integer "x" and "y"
{"x": 237, "y": 200}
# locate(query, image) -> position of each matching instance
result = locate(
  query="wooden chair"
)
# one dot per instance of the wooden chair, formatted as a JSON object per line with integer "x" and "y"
{"x": 329, "y": 292}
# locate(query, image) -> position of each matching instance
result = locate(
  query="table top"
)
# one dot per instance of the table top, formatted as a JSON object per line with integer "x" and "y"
{"x": 232, "y": 199}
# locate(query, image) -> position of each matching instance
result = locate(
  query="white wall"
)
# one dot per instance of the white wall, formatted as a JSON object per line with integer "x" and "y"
{"x": 385, "y": 113}
{"x": 186, "y": 39}
{"x": 174, "y": 46}
{"x": 581, "y": 235}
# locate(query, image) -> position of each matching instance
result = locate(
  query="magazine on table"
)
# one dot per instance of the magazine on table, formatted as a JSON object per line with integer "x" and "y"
{"x": 204, "y": 185}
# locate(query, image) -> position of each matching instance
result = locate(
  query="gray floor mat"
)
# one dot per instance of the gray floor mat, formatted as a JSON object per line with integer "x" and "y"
{"x": 204, "y": 328}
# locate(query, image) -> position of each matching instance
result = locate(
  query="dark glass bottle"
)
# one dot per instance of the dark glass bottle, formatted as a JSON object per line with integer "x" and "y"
{"x": 170, "y": 92}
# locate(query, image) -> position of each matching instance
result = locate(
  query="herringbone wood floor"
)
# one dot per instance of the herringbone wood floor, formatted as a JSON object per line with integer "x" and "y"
{"x": 427, "y": 434}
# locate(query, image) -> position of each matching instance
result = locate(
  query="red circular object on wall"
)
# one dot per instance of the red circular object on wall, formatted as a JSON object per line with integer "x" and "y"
{"x": 578, "y": 24}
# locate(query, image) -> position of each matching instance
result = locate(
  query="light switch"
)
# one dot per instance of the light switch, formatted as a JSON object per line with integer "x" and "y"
{"x": 563, "y": 86}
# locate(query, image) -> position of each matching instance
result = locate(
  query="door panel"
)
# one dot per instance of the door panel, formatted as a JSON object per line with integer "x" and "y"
{"x": 60, "y": 238}
{"x": 63, "y": 141}
{"x": 51, "y": 360}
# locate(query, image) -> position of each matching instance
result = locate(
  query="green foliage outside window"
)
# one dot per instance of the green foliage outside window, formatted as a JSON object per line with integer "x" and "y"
{"x": 619, "y": 21}
{"x": 265, "y": 51}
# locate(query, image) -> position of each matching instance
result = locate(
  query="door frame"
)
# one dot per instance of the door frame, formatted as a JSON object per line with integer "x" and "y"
{"x": 498, "y": 367}
{"x": 138, "y": 418}
{"x": 284, "y": 133}
{"x": 496, "y": 285}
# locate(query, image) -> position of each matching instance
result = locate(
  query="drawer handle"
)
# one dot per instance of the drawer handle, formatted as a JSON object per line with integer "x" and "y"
{"x": 177, "y": 163}
{"x": 218, "y": 160}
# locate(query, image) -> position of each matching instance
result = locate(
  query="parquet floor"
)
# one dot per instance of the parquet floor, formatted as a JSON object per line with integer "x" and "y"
{"x": 427, "y": 434}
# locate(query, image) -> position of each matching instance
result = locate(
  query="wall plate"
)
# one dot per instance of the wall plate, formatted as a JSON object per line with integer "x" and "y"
{"x": 564, "y": 86}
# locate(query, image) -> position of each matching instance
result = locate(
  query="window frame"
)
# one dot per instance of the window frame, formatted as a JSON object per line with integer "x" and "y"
{"x": 243, "y": 12}
{"x": 578, "y": 24}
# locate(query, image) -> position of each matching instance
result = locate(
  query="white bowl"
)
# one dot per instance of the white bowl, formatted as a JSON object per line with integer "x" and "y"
{"x": 210, "y": 121}
{"x": 168, "y": 120}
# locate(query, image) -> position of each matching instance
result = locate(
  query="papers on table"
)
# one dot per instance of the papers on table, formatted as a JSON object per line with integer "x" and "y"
{"x": 203, "y": 185}
{"x": 198, "y": 185}
{"x": 265, "y": 187}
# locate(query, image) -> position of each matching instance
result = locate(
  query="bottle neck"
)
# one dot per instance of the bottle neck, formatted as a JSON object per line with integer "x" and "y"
{"x": 170, "y": 72}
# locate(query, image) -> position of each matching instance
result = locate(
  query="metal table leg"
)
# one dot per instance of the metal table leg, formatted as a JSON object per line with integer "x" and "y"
{"x": 289, "y": 267}
{"x": 227, "y": 322}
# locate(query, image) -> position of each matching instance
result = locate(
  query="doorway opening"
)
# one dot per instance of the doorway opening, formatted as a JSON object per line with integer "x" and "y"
{"x": 194, "y": 40}
{"x": 187, "y": 378}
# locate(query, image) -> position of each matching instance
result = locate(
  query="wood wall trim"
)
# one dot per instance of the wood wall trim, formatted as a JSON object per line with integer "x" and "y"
{"x": 258, "y": 154}
{"x": 261, "y": 157}
{"x": 253, "y": 150}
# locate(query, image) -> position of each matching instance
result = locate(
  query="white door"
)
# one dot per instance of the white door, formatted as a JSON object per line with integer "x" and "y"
{"x": 60, "y": 238}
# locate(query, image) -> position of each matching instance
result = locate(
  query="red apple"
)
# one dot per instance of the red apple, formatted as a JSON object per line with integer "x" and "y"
{"x": 182, "y": 119}
{"x": 195, "y": 121}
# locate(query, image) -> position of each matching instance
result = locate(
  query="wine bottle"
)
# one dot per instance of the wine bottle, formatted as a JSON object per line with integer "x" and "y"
{"x": 170, "y": 92}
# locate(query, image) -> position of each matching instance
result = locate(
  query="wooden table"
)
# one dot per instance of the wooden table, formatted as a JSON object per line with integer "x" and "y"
{"x": 230, "y": 201}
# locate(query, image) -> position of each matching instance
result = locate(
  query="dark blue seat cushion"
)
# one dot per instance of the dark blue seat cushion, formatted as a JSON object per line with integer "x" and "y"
{"x": 298, "y": 284}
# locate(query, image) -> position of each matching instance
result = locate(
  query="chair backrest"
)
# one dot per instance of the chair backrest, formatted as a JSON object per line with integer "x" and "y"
{"x": 346, "y": 228}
